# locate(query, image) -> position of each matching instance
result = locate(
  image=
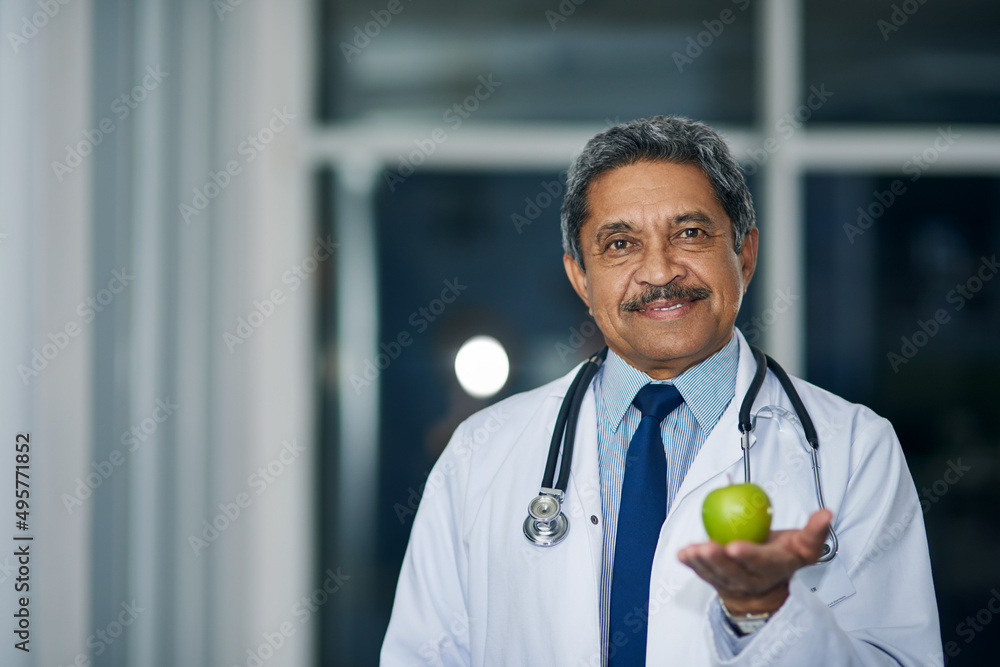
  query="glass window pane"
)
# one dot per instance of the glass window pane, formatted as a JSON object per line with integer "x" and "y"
{"x": 903, "y": 316}
{"x": 907, "y": 61}
{"x": 554, "y": 61}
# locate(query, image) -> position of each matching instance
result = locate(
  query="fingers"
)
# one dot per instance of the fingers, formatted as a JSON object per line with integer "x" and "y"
{"x": 718, "y": 569}
{"x": 767, "y": 562}
{"x": 811, "y": 538}
{"x": 705, "y": 571}
{"x": 714, "y": 564}
{"x": 698, "y": 553}
{"x": 707, "y": 559}
{"x": 819, "y": 523}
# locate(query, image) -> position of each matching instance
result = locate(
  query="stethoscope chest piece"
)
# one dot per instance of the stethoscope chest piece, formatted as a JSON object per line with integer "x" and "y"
{"x": 545, "y": 524}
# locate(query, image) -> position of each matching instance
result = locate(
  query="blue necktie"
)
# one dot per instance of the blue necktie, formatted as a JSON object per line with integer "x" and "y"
{"x": 640, "y": 517}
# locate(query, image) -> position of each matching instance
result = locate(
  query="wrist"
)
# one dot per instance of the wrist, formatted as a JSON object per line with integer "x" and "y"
{"x": 744, "y": 624}
{"x": 766, "y": 603}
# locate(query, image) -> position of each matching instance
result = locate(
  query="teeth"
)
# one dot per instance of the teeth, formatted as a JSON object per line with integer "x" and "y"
{"x": 670, "y": 308}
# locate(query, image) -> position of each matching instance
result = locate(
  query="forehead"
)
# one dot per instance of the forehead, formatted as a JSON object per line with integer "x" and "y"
{"x": 652, "y": 185}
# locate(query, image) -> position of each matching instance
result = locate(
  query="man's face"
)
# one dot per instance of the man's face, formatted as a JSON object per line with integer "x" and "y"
{"x": 662, "y": 279}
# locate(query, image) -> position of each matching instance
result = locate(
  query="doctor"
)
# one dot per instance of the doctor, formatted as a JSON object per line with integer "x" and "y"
{"x": 660, "y": 241}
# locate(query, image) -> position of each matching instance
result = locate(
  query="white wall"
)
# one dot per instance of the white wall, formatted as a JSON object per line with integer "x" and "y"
{"x": 192, "y": 281}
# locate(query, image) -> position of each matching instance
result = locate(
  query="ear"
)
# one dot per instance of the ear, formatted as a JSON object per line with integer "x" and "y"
{"x": 748, "y": 257}
{"x": 577, "y": 277}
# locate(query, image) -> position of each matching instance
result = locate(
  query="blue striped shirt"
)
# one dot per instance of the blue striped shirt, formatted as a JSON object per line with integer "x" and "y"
{"x": 707, "y": 389}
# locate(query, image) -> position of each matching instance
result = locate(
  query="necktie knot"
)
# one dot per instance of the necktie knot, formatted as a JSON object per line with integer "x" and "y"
{"x": 657, "y": 400}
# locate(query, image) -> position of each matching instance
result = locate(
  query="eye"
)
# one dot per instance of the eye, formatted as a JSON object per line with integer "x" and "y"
{"x": 693, "y": 238}
{"x": 618, "y": 245}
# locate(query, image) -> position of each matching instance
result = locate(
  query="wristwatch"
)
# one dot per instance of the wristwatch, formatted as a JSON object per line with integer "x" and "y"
{"x": 746, "y": 624}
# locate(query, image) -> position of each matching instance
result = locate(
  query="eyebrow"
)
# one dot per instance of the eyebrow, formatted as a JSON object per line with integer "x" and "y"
{"x": 610, "y": 228}
{"x": 693, "y": 216}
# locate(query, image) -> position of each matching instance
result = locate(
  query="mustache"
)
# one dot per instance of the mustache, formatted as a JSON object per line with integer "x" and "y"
{"x": 665, "y": 292}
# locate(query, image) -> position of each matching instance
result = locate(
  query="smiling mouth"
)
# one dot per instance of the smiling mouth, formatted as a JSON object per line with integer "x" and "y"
{"x": 664, "y": 308}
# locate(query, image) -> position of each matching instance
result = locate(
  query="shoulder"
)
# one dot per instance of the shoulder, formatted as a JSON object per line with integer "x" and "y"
{"x": 834, "y": 411}
{"x": 852, "y": 436}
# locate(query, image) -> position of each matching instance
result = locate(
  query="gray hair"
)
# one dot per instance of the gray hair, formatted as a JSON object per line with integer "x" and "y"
{"x": 657, "y": 139}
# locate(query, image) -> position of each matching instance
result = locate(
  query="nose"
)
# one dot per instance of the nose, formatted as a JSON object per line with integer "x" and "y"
{"x": 659, "y": 265}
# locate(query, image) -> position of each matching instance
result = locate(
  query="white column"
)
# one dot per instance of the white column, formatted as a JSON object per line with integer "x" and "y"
{"x": 149, "y": 503}
{"x": 192, "y": 626}
{"x": 357, "y": 339}
{"x": 44, "y": 274}
{"x": 781, "y": 211}
{"x": 263, "y": 232}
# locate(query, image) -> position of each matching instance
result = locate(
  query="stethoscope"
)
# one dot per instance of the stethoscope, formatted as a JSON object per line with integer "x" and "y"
{"x": 546, "y": 525}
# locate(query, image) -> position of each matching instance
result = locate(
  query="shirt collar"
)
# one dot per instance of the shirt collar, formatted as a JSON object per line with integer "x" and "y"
{"x": 707, "y": 388}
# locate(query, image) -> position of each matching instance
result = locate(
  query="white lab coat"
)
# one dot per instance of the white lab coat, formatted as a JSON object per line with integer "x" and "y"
{"x": 474, "y": 591}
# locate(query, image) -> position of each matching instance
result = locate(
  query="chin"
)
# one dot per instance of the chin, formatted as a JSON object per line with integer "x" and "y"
{"x": 668, "y": 354}
{"x": 677, "y": 349}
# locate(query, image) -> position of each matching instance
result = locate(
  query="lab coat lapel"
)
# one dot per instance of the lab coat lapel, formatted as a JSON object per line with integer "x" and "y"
{"x": 584, "y": 495}
{"x": 721, "y": 449}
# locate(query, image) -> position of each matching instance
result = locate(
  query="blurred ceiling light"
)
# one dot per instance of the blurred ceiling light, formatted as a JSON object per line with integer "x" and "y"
{"x": 481, "y": 366}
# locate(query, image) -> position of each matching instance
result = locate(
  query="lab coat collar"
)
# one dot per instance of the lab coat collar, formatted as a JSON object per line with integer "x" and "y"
{"x": 703, "y": 395}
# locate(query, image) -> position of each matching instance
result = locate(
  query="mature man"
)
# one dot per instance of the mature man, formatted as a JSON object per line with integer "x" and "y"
{"x": 660, "y": 241}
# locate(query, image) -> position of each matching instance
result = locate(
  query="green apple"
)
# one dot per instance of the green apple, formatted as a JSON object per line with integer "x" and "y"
{"x": 737, "y": 512}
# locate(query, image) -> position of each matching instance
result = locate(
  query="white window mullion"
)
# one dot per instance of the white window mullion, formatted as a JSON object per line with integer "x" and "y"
{"x": 780, "y": 56}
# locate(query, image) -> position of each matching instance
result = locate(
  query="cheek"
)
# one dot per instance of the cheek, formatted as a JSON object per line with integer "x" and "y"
{"x": 607, "y": 292}
{"x": 735, "y": 289}
{"x": 726, "y": 282}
